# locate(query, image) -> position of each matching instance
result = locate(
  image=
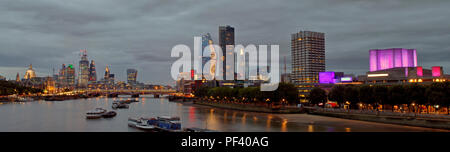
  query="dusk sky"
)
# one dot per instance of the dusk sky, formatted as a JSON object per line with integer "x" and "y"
{"x": 141, "y": 33}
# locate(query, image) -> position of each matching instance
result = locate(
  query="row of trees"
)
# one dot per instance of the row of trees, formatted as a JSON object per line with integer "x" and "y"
{"x": 9, "y": 88}
{"x": 411, "y": 94}
{"x": 285, "y": 93}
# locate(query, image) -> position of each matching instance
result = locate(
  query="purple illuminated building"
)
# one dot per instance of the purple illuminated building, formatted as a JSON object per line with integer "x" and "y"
{"x": 392, "y": 58}
{"x": 326, "y": 77}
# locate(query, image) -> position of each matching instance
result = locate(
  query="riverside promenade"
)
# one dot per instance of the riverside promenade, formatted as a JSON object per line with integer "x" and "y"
{"x": 439, "y": 121}
{"x": 252, "y": 107}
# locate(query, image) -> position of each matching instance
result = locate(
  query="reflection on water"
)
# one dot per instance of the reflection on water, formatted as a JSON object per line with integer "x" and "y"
{"x": 70, "y": 116}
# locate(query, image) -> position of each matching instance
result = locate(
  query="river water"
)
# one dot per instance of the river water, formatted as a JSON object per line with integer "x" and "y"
{"x": 69, "y": 116}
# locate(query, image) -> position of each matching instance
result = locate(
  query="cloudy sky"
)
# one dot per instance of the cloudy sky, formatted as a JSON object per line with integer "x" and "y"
{"x": 141, "y": 33}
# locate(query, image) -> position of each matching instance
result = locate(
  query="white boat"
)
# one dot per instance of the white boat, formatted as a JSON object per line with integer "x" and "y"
{"x": 140, "y": 123}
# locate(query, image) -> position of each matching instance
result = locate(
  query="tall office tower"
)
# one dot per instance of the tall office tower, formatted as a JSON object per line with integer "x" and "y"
{"x": 92, "y": 73}
{"x": 392, "y": 58}
{"x": 208, "y": 54}
{"x": 226, "y": 37}
{"x": 70, "y": 75}
{"x": 131, "y": 76}
{"x": 83, "y": 76}
{"x": 308, "y": 59}
{"x": 62, "y": 81}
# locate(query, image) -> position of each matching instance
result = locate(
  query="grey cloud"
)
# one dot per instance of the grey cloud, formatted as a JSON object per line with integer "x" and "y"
{"x": 141, "y": 33}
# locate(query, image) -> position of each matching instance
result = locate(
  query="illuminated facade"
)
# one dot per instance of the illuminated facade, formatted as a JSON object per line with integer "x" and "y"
{"x": 83, "y": 76}
{"x": 92, "y": 73}
{"x": 308, "y": 59}
{"x": 30, "y": 73}
{"x": 405, "y": 75}
{"x": 17, "y": 77}
{"x": 108, "y": 78}
{"x": 392, "y": 58}
{"x": 326, "y": 77}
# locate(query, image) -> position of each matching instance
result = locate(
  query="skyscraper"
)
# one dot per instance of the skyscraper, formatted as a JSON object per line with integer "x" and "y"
{"x": 131, "y": 76}
{"x": 308, "y": 59}
{"x": 92, "y": 72}
{"x": 70, "y": 75}
{"x": 83, "y": 76}
{"x": 226, "y": 40}
{"x": 208, "y": 54}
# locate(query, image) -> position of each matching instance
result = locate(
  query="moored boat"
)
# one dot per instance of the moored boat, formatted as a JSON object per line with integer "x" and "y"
{"x": 166, "y": 124}
{"x": 116, "y": 105}
{"x": 140, "y": 123}
{"x": 109, "y": 114}
{"x": 96, "y": 113}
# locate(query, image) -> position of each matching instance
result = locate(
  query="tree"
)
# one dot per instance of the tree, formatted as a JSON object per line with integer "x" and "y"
{"x": 416, "y": 94}
{"x": 397, "y": 95}
{"x": 201, "y": 91}
{"x": 366, "y": 94}
{"x": 287, "y": 92}
{"x": 380, "y": 94}
{"x": 337, "y": 94}
{"x": 318, "y": 95}
{"x": 352, "y": 95}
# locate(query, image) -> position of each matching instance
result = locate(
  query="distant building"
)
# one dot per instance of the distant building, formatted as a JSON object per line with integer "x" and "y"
{"x": 70, "y": 75}
{"x": 286, "y": 78}
{"x": 108, "y": 78}
{"x": 208, "y": 54}
{"x": 30, "y": 73}
{"x": 50, "y": 85}
{"x": 132, "y": 76}
{"x": 66, "y": 78}
{"x": 308, "y": 59}
{"x": 17, "y": 77}
{"x": 226, "y": 40}
{"x": 405, "y": 75}
{"x": 83, "y": 76}
{"x": 381, "y": 59}
{"x": 2, "y": 78}
{"x": 92, "y": 73}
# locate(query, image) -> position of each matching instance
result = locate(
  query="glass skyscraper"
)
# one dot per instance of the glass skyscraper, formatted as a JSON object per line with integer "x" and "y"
{"x": 92, "y": 73}
{"x": 208, "y": 54}
{"x": 83, "y": 76}
{"x": 226, "y": 40}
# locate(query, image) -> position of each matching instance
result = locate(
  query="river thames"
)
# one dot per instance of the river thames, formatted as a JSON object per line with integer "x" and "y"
{"x": 69, "y": 116}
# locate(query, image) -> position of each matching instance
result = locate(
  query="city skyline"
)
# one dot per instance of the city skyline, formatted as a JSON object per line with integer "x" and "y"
{"x": 121, "y": 42}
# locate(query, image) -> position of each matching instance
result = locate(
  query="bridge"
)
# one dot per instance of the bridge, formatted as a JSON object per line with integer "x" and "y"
{"x": 132, "y": 92}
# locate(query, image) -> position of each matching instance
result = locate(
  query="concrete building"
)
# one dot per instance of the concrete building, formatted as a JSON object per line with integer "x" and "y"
{"x": 308, "y": 59}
